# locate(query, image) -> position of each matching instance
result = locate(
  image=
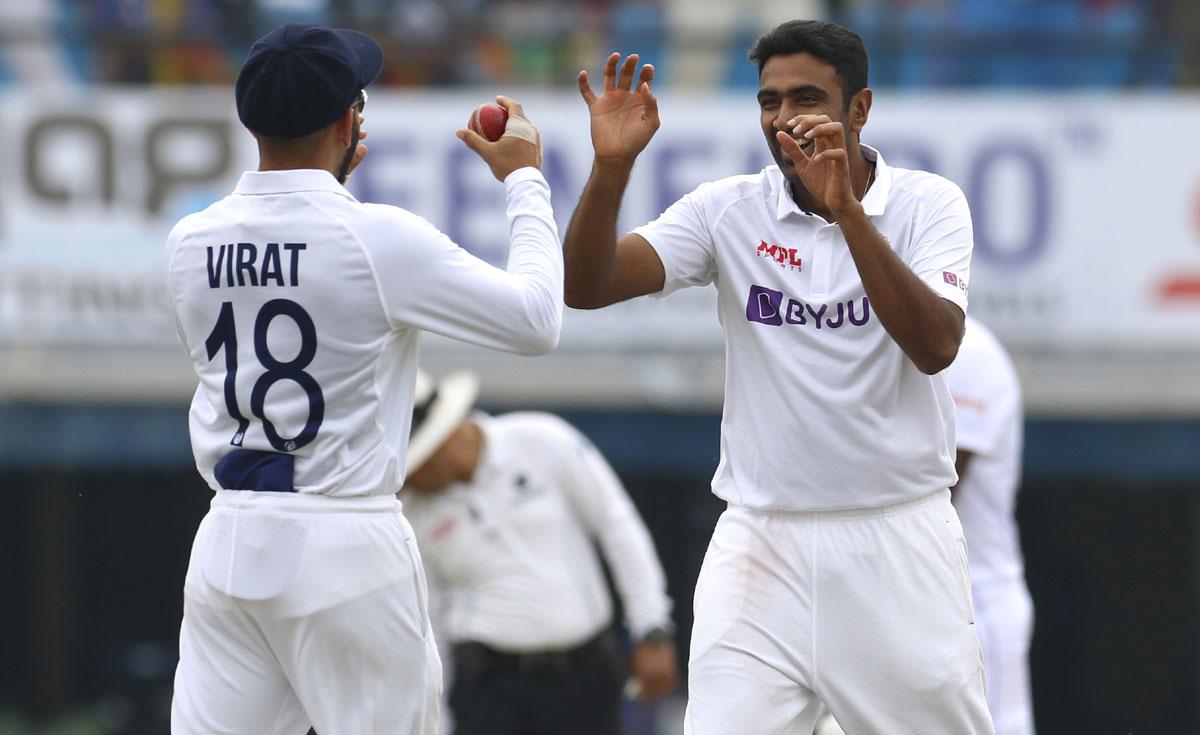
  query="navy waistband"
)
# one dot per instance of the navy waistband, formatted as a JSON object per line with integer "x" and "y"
{"x": 250, "y": 469}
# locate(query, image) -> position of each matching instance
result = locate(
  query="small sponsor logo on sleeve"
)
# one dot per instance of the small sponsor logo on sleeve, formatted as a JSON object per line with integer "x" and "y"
{"x": 954, "y": 280}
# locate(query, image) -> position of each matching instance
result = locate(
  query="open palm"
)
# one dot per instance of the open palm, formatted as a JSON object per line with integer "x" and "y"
{"x": 624, "y": 117}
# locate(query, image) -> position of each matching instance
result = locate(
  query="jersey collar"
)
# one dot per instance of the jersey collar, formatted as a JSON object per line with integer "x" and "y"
{"x": 873, "y": 203}
{"x": 289, "y": 181}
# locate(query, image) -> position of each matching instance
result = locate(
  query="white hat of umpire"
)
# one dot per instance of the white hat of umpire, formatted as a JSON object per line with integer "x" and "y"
{"x": 438, "y": 408}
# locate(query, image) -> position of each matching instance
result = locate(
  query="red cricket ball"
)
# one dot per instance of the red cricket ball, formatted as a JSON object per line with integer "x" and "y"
{"x": 489, "y": 120}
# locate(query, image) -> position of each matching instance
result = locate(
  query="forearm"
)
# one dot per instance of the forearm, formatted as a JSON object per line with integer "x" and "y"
{"x": 589, "y": 248}
{"x": 430, "y": 283}
{"x": 927, "y": 327}
{"x": 637, "y": 574}
{"x": 534, "y": 256}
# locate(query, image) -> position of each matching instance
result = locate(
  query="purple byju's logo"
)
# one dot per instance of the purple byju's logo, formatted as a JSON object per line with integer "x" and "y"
{"x": 768, "y": 306}
{"x": 954, "y": 280}
{"x": 763, "y": 306}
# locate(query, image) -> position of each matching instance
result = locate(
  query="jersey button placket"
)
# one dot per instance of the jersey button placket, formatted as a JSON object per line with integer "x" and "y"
{"x": 822, "y": 254}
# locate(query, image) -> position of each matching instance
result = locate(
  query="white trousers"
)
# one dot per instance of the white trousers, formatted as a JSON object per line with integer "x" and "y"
{"x": 866, "y": 611}
{"x": 1004, "y": 617}
{"x": 305, "y": 611}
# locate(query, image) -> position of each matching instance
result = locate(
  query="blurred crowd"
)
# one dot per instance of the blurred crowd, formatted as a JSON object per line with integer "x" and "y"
{"x": 695, "y": 43}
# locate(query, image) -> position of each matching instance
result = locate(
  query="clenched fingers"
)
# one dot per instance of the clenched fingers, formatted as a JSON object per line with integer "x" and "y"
{"x": 474, "y": 141}
{"x": 801, "y": 124}
{"x": 514, "y": 108}
{"x": 791, "y": 147}
{"x": 831, "y": 154}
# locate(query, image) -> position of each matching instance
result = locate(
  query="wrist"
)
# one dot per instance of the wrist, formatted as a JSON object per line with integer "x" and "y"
{"x": 612, "y": 167}
{"x": 523, "y": 173}
{"x": 852, "y": 212}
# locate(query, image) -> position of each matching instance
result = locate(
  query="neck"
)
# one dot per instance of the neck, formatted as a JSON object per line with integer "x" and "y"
{"x": 270, "y": 163}
{"x": 469, "y": 441}
{"x": 318, "y": 151}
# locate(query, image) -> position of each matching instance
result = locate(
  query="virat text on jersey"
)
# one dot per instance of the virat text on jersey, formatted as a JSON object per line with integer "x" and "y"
{"x": 224, "y": 261}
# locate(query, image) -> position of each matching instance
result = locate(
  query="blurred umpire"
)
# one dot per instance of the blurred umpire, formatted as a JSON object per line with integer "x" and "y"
{"x": 507, "y": 511}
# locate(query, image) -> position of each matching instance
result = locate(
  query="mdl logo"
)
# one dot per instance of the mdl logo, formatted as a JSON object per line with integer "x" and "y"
{"x": 786, "y": 258}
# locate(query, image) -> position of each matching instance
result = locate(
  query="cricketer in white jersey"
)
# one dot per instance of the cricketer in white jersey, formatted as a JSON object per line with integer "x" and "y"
{"x": 838, "y": 574}
{"x": 990, "y": 430}
{"x": 301, "y": 309}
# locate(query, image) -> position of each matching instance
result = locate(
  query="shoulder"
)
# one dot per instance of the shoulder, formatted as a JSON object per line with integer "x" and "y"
{"x": 389, "y": 213}
{"x": 532, "y": 425}
{"x": 982, "y": 363}
{"x": 731, "y": 190}
{"x": 391, "y": 216}
{"x": 926, "y": 188}
{"x": 538, "y": 431}
{"x": 709, "y": 202}
{"x": 197, "y": 221}
{"x": 386, "y": 225}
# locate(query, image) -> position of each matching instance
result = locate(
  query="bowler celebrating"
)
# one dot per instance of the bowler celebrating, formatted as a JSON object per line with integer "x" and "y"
{"x": 301, "y": 310}
{"x": 838, "y": 573}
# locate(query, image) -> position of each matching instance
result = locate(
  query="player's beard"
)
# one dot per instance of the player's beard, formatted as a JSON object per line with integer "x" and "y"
{"x": 344, "y": 169}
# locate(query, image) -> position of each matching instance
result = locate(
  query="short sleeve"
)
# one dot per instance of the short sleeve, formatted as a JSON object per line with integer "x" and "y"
{"x": 984, "y": 395}
{"x": 941, "y": 249}
{"x": 683, "y": 241}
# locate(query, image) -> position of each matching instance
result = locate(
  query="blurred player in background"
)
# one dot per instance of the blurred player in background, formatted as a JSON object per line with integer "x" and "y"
{"x": 838, "y": 573}
{"x": 507, "y": 511}
{"x": 301, "y": 309}
{"x": 989, "y": 426}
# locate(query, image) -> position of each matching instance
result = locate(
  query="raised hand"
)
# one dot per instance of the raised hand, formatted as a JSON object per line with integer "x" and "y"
{"x": 825, "y": 167}
{"x": 509, "y": 153}
{"x": 624, "y": 117}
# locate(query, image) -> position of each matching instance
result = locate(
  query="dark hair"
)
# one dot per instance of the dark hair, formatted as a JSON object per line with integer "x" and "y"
{"x": 837, "y": 46}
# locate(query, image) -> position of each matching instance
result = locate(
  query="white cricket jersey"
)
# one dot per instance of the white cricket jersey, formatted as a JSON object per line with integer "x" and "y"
{"x": 509, "y": 555}
{"x": 300, "y": 308}
{"x": 989, "y": 425}
{"x": 823, "y": 410}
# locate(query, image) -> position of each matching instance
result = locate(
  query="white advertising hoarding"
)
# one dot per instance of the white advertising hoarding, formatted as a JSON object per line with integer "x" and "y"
{"x": 1086, "y": 207}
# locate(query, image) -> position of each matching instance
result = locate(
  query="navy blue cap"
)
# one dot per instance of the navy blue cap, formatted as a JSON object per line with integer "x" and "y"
{"x": 300, "y": 78}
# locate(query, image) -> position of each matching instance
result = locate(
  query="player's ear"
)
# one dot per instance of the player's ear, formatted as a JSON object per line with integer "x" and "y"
{"x": 343, "y": 127}
{"x": 860, "y": 109}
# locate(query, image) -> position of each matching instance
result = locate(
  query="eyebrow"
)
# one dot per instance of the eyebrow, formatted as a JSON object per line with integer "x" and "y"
{"x": 794, "y": 92}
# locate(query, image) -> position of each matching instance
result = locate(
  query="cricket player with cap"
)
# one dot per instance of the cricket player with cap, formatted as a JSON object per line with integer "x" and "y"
{"x": 301, "y": 309}
{"x": 508, "y": 512}
{"x": 838, "y": 573}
